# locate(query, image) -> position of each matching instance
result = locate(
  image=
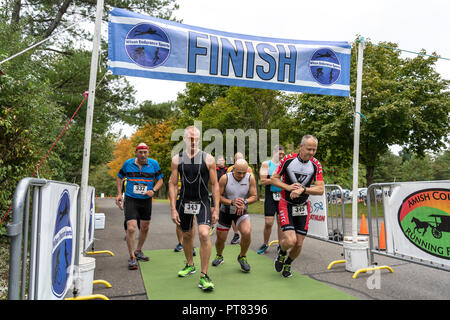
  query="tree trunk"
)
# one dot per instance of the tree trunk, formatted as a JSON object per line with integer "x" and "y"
{"x": 370, "y": 170}
{"x": 16, "y": 12}
{"x": 369, "y": 177}
{"x": 55, "y": 23}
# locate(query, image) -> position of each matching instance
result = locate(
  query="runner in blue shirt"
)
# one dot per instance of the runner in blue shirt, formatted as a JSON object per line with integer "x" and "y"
{"x": 144, "y": 179}
{"x": 272, "y": 196}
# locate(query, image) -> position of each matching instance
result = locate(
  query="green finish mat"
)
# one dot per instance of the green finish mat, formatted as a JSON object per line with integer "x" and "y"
{"x": 261, "y": 283}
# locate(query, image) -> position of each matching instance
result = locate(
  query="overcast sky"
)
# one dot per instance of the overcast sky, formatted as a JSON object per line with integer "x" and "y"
{"x": 413, "y": 25}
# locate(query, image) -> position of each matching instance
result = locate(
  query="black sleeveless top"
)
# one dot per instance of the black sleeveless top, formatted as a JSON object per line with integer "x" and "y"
{"x": 194, "y": 176}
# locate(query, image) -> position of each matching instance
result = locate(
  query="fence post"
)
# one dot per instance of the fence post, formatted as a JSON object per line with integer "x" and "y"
{"x": 15, "y": 231}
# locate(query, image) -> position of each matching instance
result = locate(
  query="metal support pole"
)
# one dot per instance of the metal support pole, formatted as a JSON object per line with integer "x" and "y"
{"x": 87, "y": 138}
{"x": 356, "y": 140}
{"x": 15, "y": 231}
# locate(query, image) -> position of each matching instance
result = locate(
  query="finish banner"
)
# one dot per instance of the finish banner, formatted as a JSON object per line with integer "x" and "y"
{"x": 418, "y": 221}
{"x": 144, "y": 46}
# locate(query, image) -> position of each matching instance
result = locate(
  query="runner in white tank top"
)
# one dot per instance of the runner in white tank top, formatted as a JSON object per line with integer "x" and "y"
{"x": 237, "y": 190}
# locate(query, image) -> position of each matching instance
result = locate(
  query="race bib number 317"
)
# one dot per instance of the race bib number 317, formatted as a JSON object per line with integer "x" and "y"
{"x": 140, "y": 188}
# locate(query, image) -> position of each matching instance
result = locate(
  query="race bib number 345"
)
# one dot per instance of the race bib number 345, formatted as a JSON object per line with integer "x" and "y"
{"x": 299, "y": 210}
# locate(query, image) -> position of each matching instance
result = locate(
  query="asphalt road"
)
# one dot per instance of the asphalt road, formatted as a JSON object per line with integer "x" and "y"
{"x": 409, "y": 281}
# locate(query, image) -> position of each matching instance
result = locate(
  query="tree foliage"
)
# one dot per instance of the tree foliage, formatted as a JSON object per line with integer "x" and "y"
{"x": 404, "y": 102}
{"x": 44, "y": 86}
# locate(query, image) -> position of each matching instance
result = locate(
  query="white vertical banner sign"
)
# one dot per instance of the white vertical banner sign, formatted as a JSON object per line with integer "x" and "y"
{"x": 317, "y": 225}
{"x": 56, "y": 242}
{"x": 90, "y": 219}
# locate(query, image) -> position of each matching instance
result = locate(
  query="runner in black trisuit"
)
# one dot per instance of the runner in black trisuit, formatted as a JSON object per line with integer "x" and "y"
{"x": 297, "y": 171}
{"x": 196, "y": 169}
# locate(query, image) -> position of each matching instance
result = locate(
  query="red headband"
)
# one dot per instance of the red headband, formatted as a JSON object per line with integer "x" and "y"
{"x": 141, "y": 147}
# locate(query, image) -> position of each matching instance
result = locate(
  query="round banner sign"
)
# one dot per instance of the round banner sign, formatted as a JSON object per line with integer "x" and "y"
{"x": 424, "y": 218}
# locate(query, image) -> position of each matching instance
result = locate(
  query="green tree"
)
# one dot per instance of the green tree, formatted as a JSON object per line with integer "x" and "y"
{"x": 441, "y": 166}
{"x": 389, "y": 168}
{"x": 196, "y": 95}
{"x": 44, "y": 17}
{"x": 418, "y": 168}
{"x": 44, "y": 86}
{"x": 404, "y": 101}
{"x": 149, "y": 112}
{"x": 27, "y": 116}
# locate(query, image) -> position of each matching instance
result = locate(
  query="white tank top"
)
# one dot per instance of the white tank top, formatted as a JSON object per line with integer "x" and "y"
{"x": 236, "y": 189}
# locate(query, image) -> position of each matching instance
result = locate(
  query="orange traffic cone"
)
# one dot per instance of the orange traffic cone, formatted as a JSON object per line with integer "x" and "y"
{"x": 363, "y": 228}
{"x": 382, "y": 238}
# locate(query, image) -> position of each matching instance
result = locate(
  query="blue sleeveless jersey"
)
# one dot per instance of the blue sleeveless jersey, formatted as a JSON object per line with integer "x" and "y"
{"x": 272, "y": 167}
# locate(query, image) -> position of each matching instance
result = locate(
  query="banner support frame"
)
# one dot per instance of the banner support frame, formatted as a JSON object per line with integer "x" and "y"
{"x": 357, "y": 115}
{"x": 87, "y": 141}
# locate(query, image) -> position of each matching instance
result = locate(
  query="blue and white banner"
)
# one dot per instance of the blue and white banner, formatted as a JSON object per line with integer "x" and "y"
{"x": 144, "y": 46}
{"x": 56, "y": 242}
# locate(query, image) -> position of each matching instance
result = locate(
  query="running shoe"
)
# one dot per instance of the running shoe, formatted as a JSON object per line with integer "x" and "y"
{"x": 245, "y": 267}
{"x": 217, "y": 261}
{"x": 187, "y": 270}
{"x": 140, "y": 255}
{"x": 286, "y": 271}
{"x": 132, "y": 264}
{"x": 262, "y": 249}
{"x": 279, "y": 262}
{"x": 205, "y": 283}
{"x": 178, "y": 248}
{"x": 235, "y": 239}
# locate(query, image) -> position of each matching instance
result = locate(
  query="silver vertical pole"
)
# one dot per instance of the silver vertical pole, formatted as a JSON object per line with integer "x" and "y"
{"x": 87, "y": 139}
{"x": 359, "y": 73}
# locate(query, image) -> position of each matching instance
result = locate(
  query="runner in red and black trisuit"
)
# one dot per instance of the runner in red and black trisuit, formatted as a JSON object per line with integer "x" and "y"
{"x": 298, "y": 171}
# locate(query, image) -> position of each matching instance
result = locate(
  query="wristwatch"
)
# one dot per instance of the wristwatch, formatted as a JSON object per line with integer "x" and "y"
{"x": 245, "y": 202}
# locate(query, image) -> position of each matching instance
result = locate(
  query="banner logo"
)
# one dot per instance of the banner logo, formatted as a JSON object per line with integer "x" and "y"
{"x": 62, "y": 246}
{"x": 424, "y": 218}
{"x": 325, "y": 66}
{"x": 147, "y": 45}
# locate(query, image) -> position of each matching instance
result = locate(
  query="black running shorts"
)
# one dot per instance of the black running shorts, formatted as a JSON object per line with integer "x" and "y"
{"x": 137, "y": 209}
{"x": 289, "y": 222}
{"x": 187, "y": 219}
{"x": 225, "y": 219}
{"x": 270, "y": 206}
